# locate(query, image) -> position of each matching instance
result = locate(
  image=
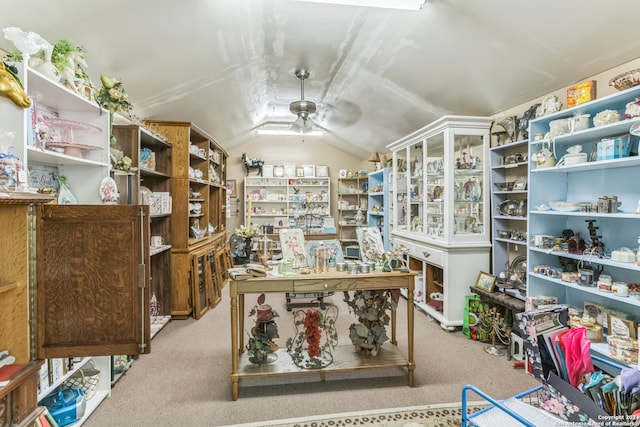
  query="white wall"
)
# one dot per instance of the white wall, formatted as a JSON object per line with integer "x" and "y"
{"x": 277, "y": 150}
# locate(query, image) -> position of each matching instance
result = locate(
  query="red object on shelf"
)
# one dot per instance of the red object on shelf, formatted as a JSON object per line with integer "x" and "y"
{"x": 7, "y": 371}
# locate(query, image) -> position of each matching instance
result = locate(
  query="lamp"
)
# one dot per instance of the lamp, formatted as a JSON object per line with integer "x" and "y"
{"x": 389, "y": 4}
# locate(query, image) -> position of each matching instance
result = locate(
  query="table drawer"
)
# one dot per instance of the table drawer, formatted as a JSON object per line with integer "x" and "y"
{"x": 350, "y": 282}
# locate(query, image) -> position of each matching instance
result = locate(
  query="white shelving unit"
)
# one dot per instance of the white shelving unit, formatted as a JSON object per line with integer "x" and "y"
{"x": 440, "y": 210}
{"x": 585, "y": 182}
{"x": 84, "y": 172}
{"x": 300, "y": 202}
{"x": 379, "y": 204}
{"x": 509, "y": 174}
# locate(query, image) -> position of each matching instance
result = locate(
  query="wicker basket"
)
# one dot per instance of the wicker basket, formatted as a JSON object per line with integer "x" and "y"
{"x": 626, "y": 80}
{"x": 85, "y": 378}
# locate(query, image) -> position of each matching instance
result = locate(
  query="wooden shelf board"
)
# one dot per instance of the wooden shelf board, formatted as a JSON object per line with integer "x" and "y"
{"x": 345, "y": 358}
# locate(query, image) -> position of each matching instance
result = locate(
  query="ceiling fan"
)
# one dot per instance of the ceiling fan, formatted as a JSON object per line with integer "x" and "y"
{"x": 303, "y": 109}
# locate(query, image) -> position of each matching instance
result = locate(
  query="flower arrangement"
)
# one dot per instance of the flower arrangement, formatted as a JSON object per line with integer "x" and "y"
{"x": 260, "y": 346}
{"x": 307, "y": 348}
{"x": 371, "y": 308}
{"x": 247, "y": 231}
{"x": 114, "y": 98}
{"x": 120, "y": 161}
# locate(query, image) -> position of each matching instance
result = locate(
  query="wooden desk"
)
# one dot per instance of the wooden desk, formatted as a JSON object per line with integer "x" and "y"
{"x": 345, "y": 357}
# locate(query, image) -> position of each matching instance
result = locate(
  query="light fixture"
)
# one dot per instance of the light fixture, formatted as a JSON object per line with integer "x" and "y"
{"x": 375, "y": 157}
{"x": 389, "y": 4}
{"x": 286, "y": 129}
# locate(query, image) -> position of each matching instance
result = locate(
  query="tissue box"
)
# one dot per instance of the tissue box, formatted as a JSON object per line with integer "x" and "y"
{"x": 613, "y": 148}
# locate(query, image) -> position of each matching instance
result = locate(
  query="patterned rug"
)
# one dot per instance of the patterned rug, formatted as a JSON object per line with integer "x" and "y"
{"x": 443, "y": 415}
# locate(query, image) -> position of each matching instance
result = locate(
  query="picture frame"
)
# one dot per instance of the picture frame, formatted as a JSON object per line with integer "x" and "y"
{"x": 232, "y": 189}
{"x": 290, "y": 170}
{"x": 267, "y": 171}
{"x": 280, "y": 222}
{"x": 300, "y": 172}
{"x": 619, "y": 326}
{"x": 520, "y": 184}
{"x": 278, "y": 171}
{"x": 486, "y": 281}
{"x": 322, "y": 171}
{"x": 342, "y": 174}
{"x": 293, "y": 247}
{"x": 370, "y": 244}
{"x": 309, "y": 171}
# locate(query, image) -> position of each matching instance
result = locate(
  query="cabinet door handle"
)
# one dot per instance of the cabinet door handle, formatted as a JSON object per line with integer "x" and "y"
{"x": 426, "y": 254}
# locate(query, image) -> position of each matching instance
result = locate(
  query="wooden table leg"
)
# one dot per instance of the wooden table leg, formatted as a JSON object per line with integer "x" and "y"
{"x": 233, "y": 291}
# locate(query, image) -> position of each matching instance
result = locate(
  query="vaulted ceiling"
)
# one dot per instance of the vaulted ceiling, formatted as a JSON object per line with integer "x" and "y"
{"x": 375, "y": 74}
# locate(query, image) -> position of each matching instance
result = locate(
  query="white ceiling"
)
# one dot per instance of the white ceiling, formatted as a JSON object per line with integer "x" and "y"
{"x": 376, "y": 74}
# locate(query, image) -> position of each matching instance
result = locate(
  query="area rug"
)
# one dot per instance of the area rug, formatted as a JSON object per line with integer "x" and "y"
{"x": 442, "y": 415}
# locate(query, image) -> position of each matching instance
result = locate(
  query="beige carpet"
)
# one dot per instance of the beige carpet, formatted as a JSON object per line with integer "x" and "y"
{"x": 443, "y": 415}
{"x": 185, "y": 380}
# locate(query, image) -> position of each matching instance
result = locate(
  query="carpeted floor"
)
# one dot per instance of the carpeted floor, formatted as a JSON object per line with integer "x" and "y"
{"x": 442, "y": 415}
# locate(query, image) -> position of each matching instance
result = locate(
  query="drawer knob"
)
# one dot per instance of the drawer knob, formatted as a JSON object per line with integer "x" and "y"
{"x": 426, "y": 254}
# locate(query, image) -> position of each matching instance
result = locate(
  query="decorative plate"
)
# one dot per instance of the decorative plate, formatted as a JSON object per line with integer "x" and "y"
{"x": 109, "y": 191}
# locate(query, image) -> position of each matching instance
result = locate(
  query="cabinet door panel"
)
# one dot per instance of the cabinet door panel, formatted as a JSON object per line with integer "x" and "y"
{"x": 92, "y": 280}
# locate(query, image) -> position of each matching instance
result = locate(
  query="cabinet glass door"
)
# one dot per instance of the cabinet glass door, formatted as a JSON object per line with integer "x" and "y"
{"x": 435, "y": 187}
{"x": 468, "y": 203}
{"x": 401, "y": 192}
{"x": 416, "y": 187}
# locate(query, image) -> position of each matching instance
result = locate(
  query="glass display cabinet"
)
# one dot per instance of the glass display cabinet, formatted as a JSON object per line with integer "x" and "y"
{"x": 441, "y": 211}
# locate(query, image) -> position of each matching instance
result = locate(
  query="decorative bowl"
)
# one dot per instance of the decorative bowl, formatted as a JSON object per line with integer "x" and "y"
{"x": 626, "y": 80}
{"x": 504, "y": 234}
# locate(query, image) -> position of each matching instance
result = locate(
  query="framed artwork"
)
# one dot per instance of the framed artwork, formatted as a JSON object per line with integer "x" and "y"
{"x": 322, "y": 171}
{"x": 342, "y": 174}
{"x": 232, "y": 190}
{"x": 289, "y": 170}
{"x": 278, "y": 171}
{"x": 281, "y": 222}
{"x": 370, "y": 241}
{"x": 300, "y": 172}
{"x": 293, "y": 247}
{"x": 309, "y": 171}
{"x": 267, "y": 171}
{"x": 485, "y": 281}
{"x": 335, "y": 251}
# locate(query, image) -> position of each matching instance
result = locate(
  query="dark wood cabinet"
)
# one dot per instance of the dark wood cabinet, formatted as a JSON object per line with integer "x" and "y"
{"x": 92, "y": 270}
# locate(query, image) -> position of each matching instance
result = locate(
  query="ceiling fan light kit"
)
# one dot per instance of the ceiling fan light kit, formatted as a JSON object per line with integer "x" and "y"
{"x": 388, "y": 4}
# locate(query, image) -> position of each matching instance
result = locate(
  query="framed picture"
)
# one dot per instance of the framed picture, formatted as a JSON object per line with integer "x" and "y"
{"x": 300, "y": 172}
{"x": 335, "y": 250}
{"x": 289, "y": 170}
{"x": 278, "y": 171}
{"x": 309, "y": 171}
{"x": 621, "y": 327}
{"x": 485, "y": 281}
{"x": 520, "y": 184}
{"x": 342, "y": 174}
{"x": 267, "y": 171}
{"x": 293, "y": 246}
{"x": 370, "y": 243}
{"x": 322, "y": 171}
{"x": 281, "y": 222}
{"x": 232, "y": 190}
